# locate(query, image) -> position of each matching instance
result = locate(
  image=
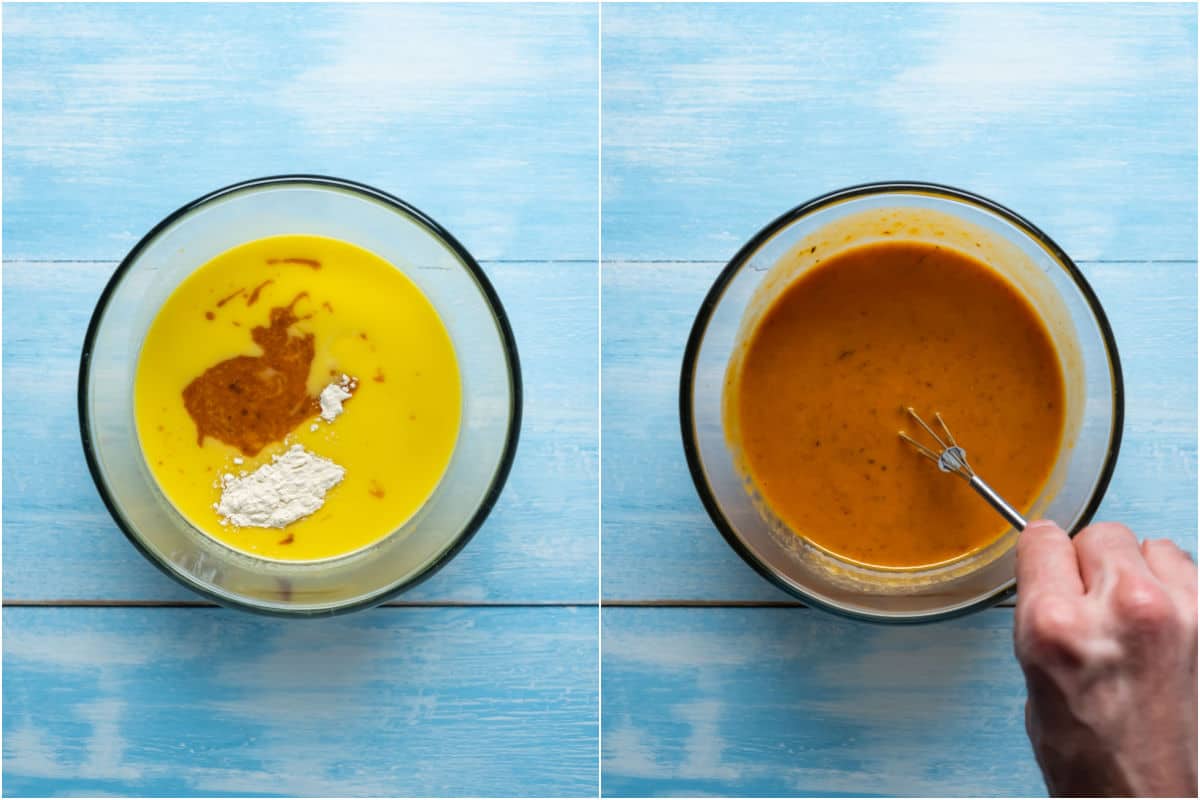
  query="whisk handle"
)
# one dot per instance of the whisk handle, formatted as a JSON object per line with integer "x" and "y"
{"x": 997, "y": 502}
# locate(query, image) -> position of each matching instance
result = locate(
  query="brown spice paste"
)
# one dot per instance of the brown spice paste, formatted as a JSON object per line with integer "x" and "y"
{"x": 253, "y": 298}
{"x": 251, "y": 401}
{"x": 229, "y": 297}
{"x": 311, "y": 263}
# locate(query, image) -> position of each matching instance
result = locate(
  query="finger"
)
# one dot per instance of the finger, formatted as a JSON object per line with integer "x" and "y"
{"x": 1173, "y": 567}
{"x": 1046, "y": 561}
{"x": 1104, "y": 551}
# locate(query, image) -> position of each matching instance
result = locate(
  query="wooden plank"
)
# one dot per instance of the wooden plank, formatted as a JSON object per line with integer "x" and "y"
{"x": 795, "y": 702}
{"x": 718, "y": 117}
{"x": 658, "y": 542}
{"x": 417, "y": 702}
{"x": 539, "y": 543}
{"x": 483, "y": 116}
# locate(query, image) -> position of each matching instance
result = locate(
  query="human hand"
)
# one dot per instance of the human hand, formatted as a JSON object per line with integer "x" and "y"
{"x": 1105, "y": 632}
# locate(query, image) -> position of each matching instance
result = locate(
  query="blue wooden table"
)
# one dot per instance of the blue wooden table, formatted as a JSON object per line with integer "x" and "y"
{"x": 484, "y": 680}
{"x": 717, "y": 118}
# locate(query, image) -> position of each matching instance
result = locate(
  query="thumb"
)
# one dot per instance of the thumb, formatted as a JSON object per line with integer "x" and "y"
{"x": 1046, "y": 560}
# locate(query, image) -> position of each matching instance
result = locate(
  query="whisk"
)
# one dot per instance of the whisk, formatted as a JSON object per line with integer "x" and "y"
{"x": 950, "y": 457}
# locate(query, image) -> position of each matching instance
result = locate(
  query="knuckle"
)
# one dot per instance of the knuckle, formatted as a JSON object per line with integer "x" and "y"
{"x": 1048, "y": 629}
{"x": 1142, "y": 605}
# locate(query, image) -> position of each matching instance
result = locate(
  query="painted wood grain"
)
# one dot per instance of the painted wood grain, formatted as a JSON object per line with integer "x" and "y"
{"x": 538, "y": 545}
{"x": 483, "y": 116}
{"x": 716, "y": 118}
{"x": 783, "y": 702}
{"x": 423, "y": 702}
{"x": 658, "y": 542}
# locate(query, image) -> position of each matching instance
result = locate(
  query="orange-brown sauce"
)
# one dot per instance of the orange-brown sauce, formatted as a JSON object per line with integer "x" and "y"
{"x": 829, "y": 368}
{"x": 251, "y": 401}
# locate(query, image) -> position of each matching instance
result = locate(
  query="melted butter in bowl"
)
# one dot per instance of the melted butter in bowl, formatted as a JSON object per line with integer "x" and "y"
{"x": 232, "y": 373}
{"x": 216, "y": 363}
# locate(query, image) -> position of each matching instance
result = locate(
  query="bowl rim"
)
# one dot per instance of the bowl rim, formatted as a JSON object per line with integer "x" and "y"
{"x": 512, "y": 433}
{"x": 734, "y": 266}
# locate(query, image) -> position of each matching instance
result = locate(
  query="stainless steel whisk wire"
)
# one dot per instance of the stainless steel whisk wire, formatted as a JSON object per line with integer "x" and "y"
{"x": 952, "y": 458}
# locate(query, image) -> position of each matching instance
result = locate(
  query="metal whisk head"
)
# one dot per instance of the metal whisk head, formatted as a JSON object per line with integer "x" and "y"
{"x": 950, "y": 457}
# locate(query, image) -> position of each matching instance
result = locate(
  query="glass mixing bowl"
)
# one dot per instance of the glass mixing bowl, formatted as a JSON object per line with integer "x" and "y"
{"x": 852, "y": 217}
{"x": 388, "y": 227}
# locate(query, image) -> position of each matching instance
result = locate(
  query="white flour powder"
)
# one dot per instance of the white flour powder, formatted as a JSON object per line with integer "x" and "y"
{"x": 275, "y": 495}
{"x": 333, "y": 395}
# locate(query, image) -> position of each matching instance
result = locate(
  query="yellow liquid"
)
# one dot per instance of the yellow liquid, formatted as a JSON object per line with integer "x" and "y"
{"x": 396, "y": 435}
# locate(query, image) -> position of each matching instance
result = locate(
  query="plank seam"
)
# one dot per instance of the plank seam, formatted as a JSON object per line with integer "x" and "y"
{"x": 117, "y": 261}
{"x": 206, "y": 604}
{"x": 725, "y": 604}
{"x": 619, "y": 261}
{"x": 612, "y": 261}
{"x": 437, "y": 604}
